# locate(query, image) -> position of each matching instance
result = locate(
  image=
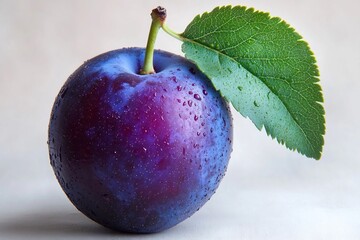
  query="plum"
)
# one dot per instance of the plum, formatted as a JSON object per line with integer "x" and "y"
{"x": 139, "y": 153}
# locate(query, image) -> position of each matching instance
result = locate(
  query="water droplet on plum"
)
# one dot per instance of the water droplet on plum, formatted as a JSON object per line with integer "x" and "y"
{"x": 197, "y": 97}
{"x": 174, "y": 79}
{"x": 63, "y": 92}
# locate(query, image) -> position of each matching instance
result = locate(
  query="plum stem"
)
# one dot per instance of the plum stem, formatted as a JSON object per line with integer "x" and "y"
{"x": 171, "y": 32}
{"x": 158, "y": 16}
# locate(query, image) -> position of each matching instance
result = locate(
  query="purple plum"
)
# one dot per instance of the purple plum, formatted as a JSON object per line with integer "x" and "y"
{"x": 139, "y": 153}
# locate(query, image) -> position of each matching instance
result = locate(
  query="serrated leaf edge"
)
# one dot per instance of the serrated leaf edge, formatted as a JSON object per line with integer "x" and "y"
{"x": 316, "y": 76}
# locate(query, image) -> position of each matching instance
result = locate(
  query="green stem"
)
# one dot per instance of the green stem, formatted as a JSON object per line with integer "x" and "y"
{"x": 171, "y": 32}
{"x": 158, "y": 16}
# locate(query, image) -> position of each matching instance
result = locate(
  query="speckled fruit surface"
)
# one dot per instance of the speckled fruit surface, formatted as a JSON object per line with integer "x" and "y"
{"x": 139, "y": 153}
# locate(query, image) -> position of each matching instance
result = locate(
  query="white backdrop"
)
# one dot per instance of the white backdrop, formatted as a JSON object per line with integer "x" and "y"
{"x": 269, "y": 192}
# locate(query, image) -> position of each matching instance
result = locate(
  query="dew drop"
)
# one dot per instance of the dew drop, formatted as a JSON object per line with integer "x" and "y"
{"x": 190, "y": 92}
{"x": 178, "y": 100}
{"x": 256, "y": 104}
{"x": 198, "y": 133}
{"x": 63, "y": 92}
{"x": 195, "y": 145}
{"x": 174, "y": 79}
{"x": 196, "y": 117}
{"x": 192, "y": 70}
{"x": 203, "y": 124}
{"x": 197, "y": 97}
{"x": 224, "y": 122}
{"x": 190, "y": 103}
{"x": 205, "y": 92}
{"x": 179, "y": 88}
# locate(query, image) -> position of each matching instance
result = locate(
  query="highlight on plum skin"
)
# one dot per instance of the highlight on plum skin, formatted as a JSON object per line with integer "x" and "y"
{"x": 139, "y": 153}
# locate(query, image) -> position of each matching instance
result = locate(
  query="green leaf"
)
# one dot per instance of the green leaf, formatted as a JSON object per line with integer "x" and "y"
{"x": 265, "y": 69}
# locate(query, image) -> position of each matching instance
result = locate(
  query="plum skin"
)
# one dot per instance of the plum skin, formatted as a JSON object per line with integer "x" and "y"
{"x": 139, "y": 153}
